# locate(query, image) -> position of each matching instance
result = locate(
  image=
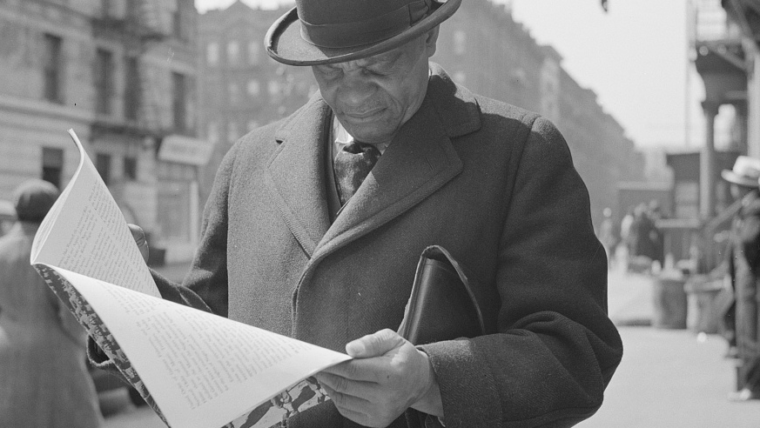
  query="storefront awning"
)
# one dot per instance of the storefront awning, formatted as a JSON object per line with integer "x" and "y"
{"x": 185, "y": 150}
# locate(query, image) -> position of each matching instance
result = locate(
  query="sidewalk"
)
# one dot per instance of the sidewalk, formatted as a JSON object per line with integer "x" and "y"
{"x": 668, "y": 378}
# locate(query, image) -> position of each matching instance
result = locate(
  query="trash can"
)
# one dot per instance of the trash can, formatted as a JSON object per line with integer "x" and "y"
{"x": 669, "y": 301}
{"x": 703, "y": 292}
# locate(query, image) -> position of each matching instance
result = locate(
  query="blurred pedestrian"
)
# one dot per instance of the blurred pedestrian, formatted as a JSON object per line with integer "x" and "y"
{"x": 655, "y": 235}
{"x": 641, "y": 247}
{"x": 744, "y": 268}
{"x": 43, "y": 377}
{"x": 606, "y": 235}
{"x": 625, "y": 235}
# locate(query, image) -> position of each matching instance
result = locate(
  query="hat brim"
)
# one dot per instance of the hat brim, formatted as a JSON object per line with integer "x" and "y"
{"x": 285, "y": 44}
{"x": 732, "y": 177}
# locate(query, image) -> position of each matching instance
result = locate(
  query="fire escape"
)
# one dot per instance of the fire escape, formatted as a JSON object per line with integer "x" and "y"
{"x": 720, "y": 61}
{"x": 724, "y": 41}
{"x": 138, "y": 28}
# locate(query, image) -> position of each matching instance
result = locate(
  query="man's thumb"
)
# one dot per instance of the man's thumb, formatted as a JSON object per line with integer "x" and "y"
{"x": 373, "y": 345}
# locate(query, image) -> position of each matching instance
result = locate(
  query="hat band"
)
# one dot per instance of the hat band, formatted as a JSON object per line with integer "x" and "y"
{"x": 373, "y": 30}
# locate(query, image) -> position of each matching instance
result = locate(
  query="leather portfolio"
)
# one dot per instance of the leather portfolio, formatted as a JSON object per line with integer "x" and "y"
{"x": 442, "y": 305}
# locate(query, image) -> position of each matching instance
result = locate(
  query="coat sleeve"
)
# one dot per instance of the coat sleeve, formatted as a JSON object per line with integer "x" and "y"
{"x": 555, "y": 349}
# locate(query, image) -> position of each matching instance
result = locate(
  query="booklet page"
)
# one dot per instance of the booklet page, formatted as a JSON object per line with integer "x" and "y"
{"x": 202, "y": 370}
{"x": 85, "y": 232}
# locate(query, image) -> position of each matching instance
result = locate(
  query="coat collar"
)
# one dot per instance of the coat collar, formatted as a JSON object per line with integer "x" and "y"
{"x": 419, "y": 161}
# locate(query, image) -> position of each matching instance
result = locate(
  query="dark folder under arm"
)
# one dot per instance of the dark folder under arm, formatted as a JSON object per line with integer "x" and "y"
{"x": 442, "y": 305}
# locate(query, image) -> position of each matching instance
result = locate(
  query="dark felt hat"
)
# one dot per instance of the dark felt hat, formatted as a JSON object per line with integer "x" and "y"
{"x": 33, "y": 199}
{"x": 330, "y": 31}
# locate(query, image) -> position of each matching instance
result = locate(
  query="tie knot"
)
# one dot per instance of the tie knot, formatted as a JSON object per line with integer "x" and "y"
{"x": 357, "y": 147}
{"x": 352, "y": 165}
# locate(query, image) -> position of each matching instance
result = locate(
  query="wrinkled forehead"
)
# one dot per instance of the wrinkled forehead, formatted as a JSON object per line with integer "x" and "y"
{"x": 408, "y": 52}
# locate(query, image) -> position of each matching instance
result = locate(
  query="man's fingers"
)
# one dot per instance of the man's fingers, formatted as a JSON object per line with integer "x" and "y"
{"x": 348, "y": 405}
{"x": 374, "y": 345}
{"x": 138, "y": 234}
{"x": 356, "y": 370}
{"x": 356, "y": 388}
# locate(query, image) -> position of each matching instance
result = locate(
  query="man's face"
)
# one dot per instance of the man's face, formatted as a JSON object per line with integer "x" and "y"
{"x": 373, "y": 97}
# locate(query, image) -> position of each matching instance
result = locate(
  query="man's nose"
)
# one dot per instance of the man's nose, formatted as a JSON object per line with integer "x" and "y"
{"x": 356, "y": 90}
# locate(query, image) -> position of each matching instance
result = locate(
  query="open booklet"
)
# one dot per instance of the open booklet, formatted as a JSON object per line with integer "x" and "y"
{"x": 195, "y": 369}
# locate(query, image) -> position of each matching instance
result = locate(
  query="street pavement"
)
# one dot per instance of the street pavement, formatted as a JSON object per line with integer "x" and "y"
{"x": 667, "y": 379}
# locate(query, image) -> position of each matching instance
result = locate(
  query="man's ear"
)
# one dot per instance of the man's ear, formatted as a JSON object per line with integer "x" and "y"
{"x": 431, "y": 38}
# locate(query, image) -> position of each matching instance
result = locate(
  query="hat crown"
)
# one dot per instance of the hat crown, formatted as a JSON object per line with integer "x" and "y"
{"x": 747, "y": 167}
{"x": 325, "y": 12}
{"x": 349, "y": 23}
{"x": 33, "y": 199}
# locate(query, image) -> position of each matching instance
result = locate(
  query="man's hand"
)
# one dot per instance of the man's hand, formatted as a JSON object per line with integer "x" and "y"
{"x": 387, "y": 376}
{"x": 142, "y": 243}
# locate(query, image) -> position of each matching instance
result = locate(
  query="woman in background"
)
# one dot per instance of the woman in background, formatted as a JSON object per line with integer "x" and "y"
{"x": 44, "y": 382}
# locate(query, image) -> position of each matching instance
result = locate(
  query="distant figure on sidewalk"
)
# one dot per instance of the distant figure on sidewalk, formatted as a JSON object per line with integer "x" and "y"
{"x": 743, "y": 269}
{"x": 43, "y": 378}
{"x": 642, "y": 247}
{"x": 625, "y": 235}
{"x": 606, "y": 235}
{"x": 655, "y": 235}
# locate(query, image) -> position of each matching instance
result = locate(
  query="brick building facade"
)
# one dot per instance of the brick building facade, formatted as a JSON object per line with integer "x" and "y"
{"x": 483, "y": 48}
{"x": 121, "y": 73}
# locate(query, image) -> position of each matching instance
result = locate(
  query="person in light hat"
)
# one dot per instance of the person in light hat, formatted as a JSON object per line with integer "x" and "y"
{"x": 742, "y": 319}
{"x": 316, "y": 223}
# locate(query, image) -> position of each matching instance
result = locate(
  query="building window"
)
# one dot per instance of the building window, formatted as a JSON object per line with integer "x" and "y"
{"x": 130, "y": 168}
{"x": 132, "y": 10}
{"x": 232, "y": 93}
{"x": 213, "y": 132}
{"x": 52, "y": 165}
{"x": 232, "y": 132}
{"x": 106, "y": 8}
{"x": 212, "y": 53}
{"x": 52, "y": 69}
{"x": 132, "y": 89}
{"x": 460, "y": 42}
{"x": 178, "y": 29}
{"x": 103, "y": 165}
{"x": 274, "y": 88}
{"x": 103, "y": 81}
{"x": 253, "y": 88}
{"x": 233, "y": 52}
{"x": 254, "y": 49}
{"x": 179, "y": 99}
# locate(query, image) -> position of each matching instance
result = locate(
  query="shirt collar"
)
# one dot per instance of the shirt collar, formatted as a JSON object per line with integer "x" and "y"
{"x": 341, "y": 138}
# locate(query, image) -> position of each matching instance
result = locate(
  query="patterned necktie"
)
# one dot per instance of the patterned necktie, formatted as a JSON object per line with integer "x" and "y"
{"x": 352, "y": 165}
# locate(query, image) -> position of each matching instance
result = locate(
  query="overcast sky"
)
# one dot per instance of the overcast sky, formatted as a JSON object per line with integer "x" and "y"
{"x": 634, "y": 57}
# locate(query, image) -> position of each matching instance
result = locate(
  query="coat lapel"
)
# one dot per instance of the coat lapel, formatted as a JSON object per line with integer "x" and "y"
{"x": 296, "y": 173}
{"x": 419, "y": 161}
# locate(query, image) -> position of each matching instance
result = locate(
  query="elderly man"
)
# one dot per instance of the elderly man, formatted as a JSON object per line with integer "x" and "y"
{"x": 316, "y": 222}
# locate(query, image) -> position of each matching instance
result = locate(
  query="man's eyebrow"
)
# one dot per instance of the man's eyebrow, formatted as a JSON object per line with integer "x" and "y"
{"x": 390, "y": 57}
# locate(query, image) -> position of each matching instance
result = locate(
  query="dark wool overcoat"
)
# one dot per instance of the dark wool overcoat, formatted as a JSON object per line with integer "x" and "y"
{"x": 744, "y": 270}
{"x": 493, "y": 184}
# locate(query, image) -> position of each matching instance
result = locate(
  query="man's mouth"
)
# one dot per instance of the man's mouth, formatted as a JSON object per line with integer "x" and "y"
{"x": 364, "y": 116}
